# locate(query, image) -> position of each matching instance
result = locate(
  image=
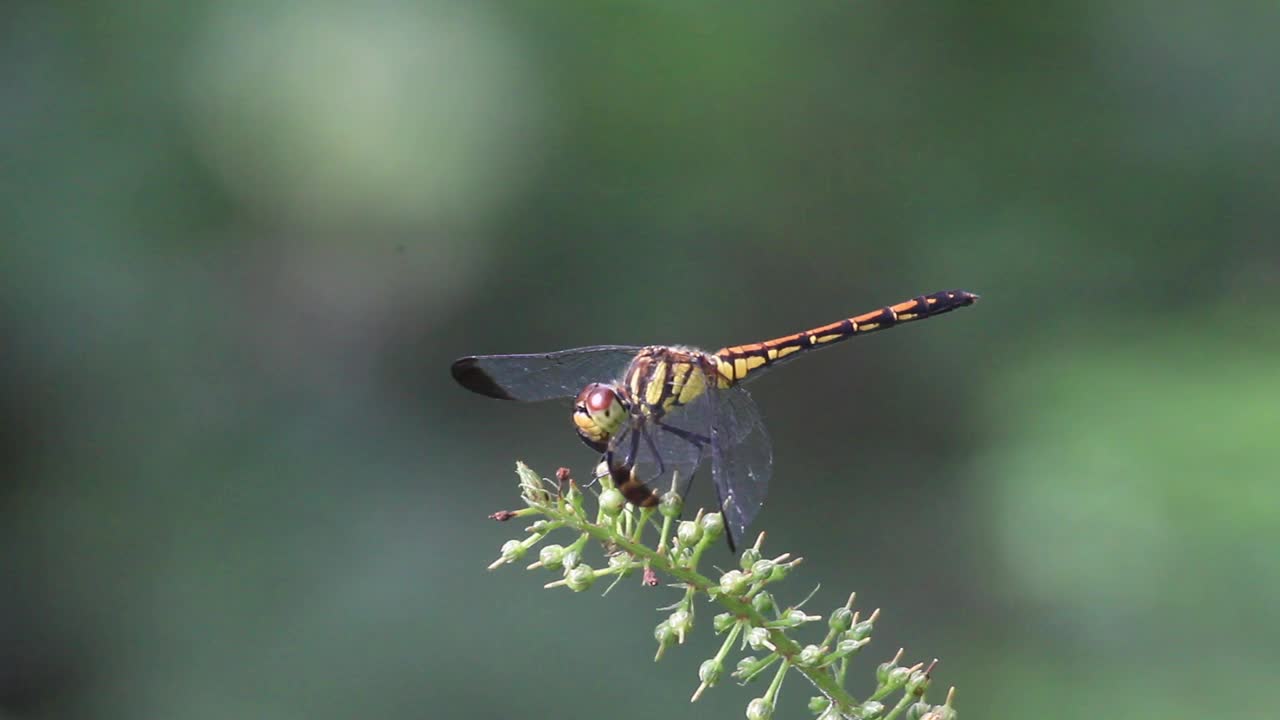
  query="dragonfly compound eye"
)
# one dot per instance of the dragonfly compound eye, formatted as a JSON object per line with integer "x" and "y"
{"x": 598, "y": 413}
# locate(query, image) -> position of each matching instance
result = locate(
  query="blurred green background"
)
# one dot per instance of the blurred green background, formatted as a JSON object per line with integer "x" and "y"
{"x": 241, "y": 242}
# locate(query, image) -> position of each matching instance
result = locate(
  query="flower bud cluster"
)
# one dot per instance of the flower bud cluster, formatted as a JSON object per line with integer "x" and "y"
{"x": 751, "y": 620}
{"x": 924, "y": 711}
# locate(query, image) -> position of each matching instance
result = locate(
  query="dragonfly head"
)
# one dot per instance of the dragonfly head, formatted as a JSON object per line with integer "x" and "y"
{"x": 598, "y": 413}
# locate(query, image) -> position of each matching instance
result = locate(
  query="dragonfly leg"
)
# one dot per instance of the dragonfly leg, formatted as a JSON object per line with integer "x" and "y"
{"x": 610, "y": 456}
{"x": 632, "y": 449}
{"x": 694, "y": 439}
{"x": 657, "y": 456}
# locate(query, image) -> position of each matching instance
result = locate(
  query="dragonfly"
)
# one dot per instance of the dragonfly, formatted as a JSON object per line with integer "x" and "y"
{"x": 657, "y": 413}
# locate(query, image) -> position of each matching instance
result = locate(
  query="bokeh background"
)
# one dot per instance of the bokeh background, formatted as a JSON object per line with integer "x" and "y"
{"x": 241, "y": 242}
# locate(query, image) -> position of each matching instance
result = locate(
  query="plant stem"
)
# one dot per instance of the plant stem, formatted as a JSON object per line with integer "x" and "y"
{"x": 787, "y": 648}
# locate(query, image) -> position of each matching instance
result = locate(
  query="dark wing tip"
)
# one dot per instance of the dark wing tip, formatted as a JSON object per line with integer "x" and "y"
{"x": 470, "y": 375}
{"x": 964, "y": 297}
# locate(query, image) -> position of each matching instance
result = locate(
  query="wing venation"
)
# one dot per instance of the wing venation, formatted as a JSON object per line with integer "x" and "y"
{"x": 542, "y": 376}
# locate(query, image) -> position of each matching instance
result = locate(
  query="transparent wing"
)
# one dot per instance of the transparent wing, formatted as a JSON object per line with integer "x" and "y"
{"x": 665, "y": 452}
{"x": 542, "y": 376}
{"x": 661, "y": 460}
{"x": 742, "y": 459}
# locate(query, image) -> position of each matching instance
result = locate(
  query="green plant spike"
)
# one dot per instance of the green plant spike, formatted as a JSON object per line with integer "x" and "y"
{"x": 750, "y": 619}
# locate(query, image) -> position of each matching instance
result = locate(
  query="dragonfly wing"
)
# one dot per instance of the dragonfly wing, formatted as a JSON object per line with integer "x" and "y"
{"x": 742, "y": 459}
{"x": 542, "y": 376}
{"x": 661, "y": 461}
{"x": 665, "y": 451}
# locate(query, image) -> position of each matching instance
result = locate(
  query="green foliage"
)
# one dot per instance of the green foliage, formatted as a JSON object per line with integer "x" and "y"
{"x": 751, "y": 618}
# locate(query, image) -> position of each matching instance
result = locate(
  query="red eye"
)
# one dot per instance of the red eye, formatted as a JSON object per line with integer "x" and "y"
{"x": 600, "y": 399}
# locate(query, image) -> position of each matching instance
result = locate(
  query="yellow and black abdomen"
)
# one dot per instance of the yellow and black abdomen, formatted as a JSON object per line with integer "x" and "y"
{"x": 737, "y": 362}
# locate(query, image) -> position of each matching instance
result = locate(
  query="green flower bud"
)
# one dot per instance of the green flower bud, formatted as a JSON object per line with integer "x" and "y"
{"x": 751, "y": 669}
{"x": 941, "y": 712}
{"x": 682, "y": 556}
{"x": 709, "y": 672}
{"x": 848, "y": 646}
{"x": 861, "y": 630}
{"x": 811, "y": 655}
{"x": 540, "y": 526}
{"x": 571, "y": 559}
{"x": 733, "y": 582}
{"x": 841, "y": 619}
{"x": 756, "y": 638}
{"x": 663, "y": 633}
{"x": 917, "y": 711}
{"x": 611, "y": 502}
{"x": 749, "y": 558}
{"x": 681, "y": 621}
{"x": 796, "y": 618}
{"x": 818, "y": 703}
{"x": 573, "y": 495}
{"x": 713, "y": 525}
{"x": 763, "y": 602}
{"x": 780, "y": 570}
{"x": 512, "y": 550}
{"x": 918, "y": 682}
{"x": 527, "y": 475}
{"x": 897, "y": 677}
{"x": 580, "y": 577}
{"x": 689, "y": 533}
{"x": 870, "y": 709}
{"x": 671, "y": 505}
{"x": 722, "y": 622}
{"x": 759, "y": 709}
{"x": 550, "y": 556}
{"x": 882, "y": 672}
{"x": 762, "y": 569}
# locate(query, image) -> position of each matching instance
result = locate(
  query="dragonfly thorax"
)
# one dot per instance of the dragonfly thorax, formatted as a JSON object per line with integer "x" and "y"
{"x": 659, "y": 379}
{"x": 663, "y": 378}
{"x": 599, "y": 413}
